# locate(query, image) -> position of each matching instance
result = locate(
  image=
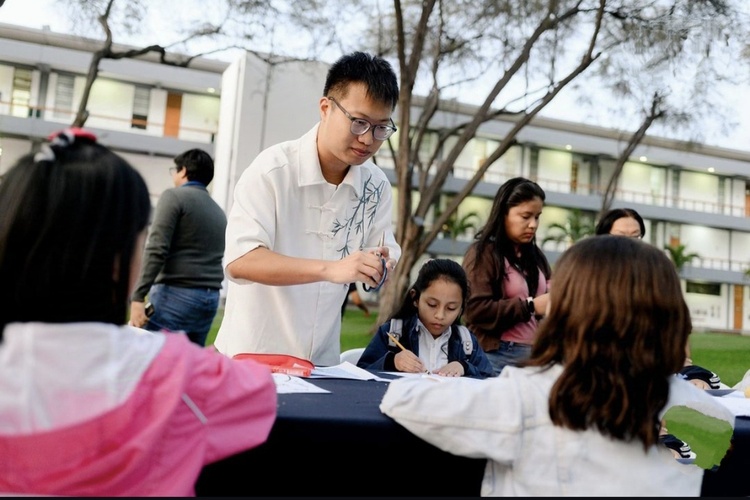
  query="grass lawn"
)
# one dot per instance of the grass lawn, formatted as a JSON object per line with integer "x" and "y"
{"x": 726, "y": 354}
{"x": 355, "y": 329}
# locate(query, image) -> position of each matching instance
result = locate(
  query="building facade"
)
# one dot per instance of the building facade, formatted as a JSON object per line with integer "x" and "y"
{"x": 688, "y": 194}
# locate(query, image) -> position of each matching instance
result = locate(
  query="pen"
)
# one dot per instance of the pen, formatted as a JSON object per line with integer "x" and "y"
{"x": 395, "y": 340}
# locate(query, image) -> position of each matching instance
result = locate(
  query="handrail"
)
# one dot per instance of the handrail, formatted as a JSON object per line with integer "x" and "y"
{"x": 48, "y": 113}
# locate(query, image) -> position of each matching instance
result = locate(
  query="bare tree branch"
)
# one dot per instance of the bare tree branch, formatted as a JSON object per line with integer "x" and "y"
{"x": 655, "y": 112}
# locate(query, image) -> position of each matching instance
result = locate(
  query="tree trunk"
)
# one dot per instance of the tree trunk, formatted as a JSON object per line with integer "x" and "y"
{"x": 393, "y": 293}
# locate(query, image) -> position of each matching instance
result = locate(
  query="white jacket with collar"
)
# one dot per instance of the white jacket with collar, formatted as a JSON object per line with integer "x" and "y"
{"x": 506, "y": 421}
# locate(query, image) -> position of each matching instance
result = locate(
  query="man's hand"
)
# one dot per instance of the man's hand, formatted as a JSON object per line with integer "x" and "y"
{"x": 138, "y": 316}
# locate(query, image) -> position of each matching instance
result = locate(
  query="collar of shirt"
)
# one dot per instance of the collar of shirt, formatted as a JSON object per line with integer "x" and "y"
{"x": 194, "y": 183}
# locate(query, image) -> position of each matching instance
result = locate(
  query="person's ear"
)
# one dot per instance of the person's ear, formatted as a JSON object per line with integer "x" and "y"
{"x": 324, "y": 105}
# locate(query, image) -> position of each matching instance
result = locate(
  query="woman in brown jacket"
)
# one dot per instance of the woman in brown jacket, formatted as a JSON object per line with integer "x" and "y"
{"x": 509, "y": 275}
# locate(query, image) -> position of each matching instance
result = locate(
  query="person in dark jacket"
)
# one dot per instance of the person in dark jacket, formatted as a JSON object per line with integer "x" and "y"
{"x": 430, "y": 337}
{"x": 182, "y": 263}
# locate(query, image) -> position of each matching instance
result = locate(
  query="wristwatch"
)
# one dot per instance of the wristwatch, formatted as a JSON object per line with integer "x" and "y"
{"x": 530, "y": 306}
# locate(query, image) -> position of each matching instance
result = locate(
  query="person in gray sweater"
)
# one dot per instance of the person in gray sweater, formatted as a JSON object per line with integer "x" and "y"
{"x": 182, "y": 262}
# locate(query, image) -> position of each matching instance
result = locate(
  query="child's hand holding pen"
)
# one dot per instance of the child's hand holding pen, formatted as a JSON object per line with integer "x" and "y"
{"x": 406, "y": 361}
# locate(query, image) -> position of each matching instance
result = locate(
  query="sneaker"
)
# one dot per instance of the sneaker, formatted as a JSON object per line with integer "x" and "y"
{"x": 680, "y": 447}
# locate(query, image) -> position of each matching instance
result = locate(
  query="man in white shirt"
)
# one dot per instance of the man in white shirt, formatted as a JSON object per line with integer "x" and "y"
{"x": 303, "y": 212}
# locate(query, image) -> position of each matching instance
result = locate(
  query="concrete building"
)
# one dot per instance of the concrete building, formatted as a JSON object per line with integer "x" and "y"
{"x": 689, "y": 194}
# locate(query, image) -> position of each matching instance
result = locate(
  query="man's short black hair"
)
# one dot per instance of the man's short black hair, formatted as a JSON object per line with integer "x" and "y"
{"x": 198, "y": 163}
{"x": 360, "y": 67}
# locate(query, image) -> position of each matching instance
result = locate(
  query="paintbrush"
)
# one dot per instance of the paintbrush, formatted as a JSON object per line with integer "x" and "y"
{"x": 395, "y": 340}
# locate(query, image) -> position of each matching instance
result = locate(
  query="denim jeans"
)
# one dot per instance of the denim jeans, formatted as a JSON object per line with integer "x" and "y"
{"x": 187, "y": 310}
{"x": 509, "y": 353}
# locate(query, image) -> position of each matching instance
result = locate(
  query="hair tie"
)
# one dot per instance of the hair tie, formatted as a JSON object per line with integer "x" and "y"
{"x": 44, "y": 154}
{"x": 61, "y": 139}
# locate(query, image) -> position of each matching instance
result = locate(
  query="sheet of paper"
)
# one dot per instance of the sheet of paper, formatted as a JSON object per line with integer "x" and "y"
{"x": 288, "y": 384}
{"x": 432, "y": 376}
{"x": 345, "y": 370}
{"x": 737, "y": 403}
{"x": 404, "y": 374}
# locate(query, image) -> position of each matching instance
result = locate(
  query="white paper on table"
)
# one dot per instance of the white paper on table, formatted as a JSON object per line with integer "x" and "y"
{"x": 405, "y": 374}
{"x": 736, "y": 402}
{"x": 345, "y": 370}
{"x": 289, "y": 384}
{"x": 432, "y": 376}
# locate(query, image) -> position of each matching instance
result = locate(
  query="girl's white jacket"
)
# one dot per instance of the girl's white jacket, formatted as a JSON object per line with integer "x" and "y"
{"x": 505, "y": 420}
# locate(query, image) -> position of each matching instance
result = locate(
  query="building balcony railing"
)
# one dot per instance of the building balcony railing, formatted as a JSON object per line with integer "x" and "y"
{"x": 109, "y": 122}
{"x": 626, "y": 195}
{"x": 719, "y": 264}
{"x": 446, "y": 244}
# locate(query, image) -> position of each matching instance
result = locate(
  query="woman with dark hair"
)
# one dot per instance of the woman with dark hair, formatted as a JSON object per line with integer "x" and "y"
{"x": 509, "y": 275}
{"x": 70, "y": 218}
{"x": 582, "y": 416}
{"x": 627, "y": 222}
{"x": 621, "y": 222}
{"x": 88, "y": 405}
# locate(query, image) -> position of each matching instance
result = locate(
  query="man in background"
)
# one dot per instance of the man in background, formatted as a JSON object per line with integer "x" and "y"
{"x": 182, "y": 262}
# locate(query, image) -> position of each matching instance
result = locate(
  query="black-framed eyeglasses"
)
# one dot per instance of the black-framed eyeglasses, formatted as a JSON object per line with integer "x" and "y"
{"x": 360, "y": 125}
{"x": 172, "y": 170}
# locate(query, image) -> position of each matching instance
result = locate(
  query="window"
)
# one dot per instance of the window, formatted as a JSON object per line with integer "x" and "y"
{"x": 64, "y": 97}
{"x": 21, "y": 94}
{"x": 141, "y": 102}
{"x": 703, "y": 288}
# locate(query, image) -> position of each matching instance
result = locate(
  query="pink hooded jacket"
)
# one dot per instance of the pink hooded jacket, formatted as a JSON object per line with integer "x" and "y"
{"x": 98, "y": 410}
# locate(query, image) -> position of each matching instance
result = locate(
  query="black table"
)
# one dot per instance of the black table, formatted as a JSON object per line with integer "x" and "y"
{"x": 732, "y": 479}
{"x": 339, "y": 444}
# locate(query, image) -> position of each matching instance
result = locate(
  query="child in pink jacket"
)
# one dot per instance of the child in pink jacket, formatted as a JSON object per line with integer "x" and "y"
{"x": 89, "y": 407}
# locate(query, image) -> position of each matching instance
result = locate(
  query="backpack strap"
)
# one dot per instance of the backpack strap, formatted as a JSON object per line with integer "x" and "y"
{"x": 466, "y": 342}
{"x": 396, "y": 327}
